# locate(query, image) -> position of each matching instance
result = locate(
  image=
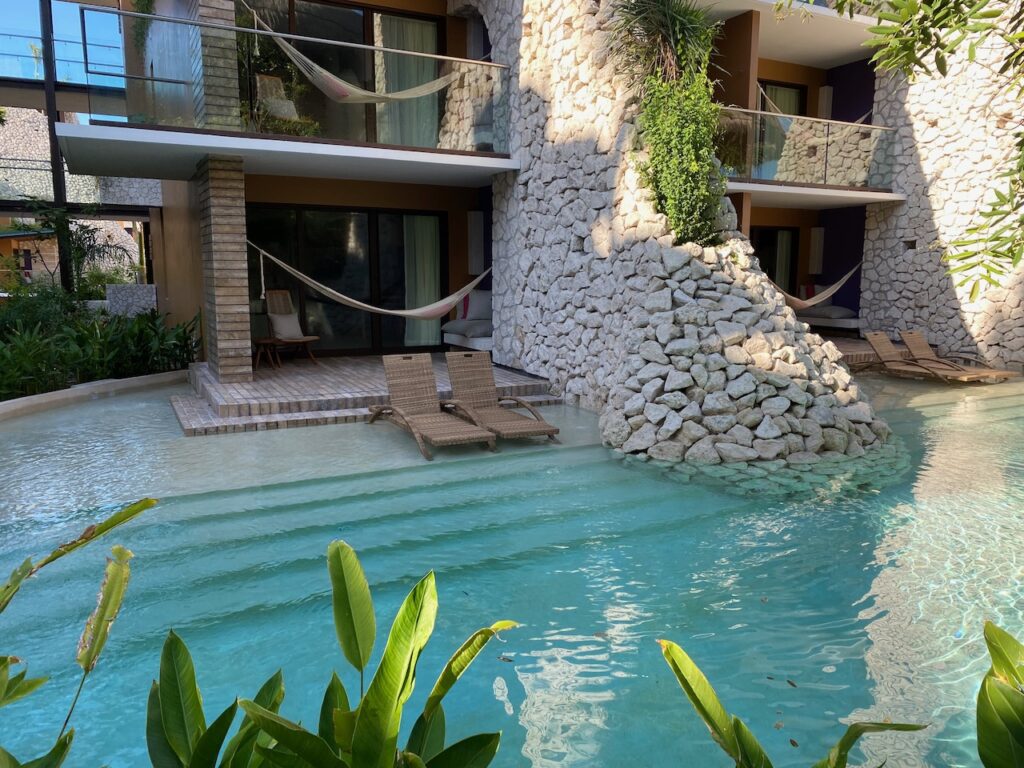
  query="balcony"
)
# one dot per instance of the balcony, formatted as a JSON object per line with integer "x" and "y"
{"x": 790, "y": 161}
{"x": 288, "y": 105}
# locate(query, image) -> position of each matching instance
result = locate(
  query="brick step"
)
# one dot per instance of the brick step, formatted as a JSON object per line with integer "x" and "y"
{"x": 197, "y": 417}
{"x": 219, "y": 396}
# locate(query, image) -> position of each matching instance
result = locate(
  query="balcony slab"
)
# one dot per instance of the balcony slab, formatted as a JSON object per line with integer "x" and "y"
{"x": 111, "y": 150}
{"x": 767, "y": 194}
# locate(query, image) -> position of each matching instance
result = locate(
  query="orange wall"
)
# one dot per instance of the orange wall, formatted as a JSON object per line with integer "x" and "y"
{"x": 453, "y": 201}
{"x": 735, "y": 61}
{"x": 794, "y": 74}
{"x": 790, "y": 217}
{"x": 177, "y": 260}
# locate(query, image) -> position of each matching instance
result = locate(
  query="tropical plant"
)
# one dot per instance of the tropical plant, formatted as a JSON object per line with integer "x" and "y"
{"x": 917, "y": 37}
{"x": 1001, "y": 702}
{"x": 733, "y": 736}
{"x": 18, "y": 685}
{"x": 87, "y": 347}
{"x": 664, "y": 39}
{"x": 665, "y": 46}
{"x": 82, "y": 245}
{"x": 363, "y": 735}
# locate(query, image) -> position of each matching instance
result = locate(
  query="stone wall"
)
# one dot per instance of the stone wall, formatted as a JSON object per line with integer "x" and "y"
{"x": 953, "y": 137}
{"x": 845, "y": 155}
{"x": 720, "y": 370}
{"x": 25, "y": 168}
{"x": 689, "y": 352}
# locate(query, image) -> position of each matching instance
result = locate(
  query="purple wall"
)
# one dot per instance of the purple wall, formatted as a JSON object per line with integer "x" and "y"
{"x": 844, "y": 247}
{"x": 853, "y": 90}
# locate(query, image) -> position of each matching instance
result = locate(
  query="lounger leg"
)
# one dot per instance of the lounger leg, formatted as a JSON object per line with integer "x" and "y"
{"x": 423, "y": 446}
{"x": 492, "y": 445}
{"x": 553, "y": 438}
{"x": 309, "y": 353}
{"x": 376, "y": 411}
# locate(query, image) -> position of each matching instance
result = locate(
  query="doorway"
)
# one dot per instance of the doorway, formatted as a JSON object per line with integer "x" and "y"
{"x": 390, "y": 259}
{"x": 778, "y": 250}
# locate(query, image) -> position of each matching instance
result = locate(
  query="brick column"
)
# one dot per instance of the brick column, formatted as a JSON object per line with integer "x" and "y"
{"x": 215, "y": 68}
{"x": 220, "y": 188}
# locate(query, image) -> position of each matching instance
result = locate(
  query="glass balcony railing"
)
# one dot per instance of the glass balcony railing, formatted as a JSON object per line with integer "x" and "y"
{"x": 766, "y": 146}
{"x": 26, "y": 178}
{"x": 183, "y": 74}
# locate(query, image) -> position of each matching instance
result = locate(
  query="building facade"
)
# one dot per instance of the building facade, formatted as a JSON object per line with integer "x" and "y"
{"x": 365, "y": 144}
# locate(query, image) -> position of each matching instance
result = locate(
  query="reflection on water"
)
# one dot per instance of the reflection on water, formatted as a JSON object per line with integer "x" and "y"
{"x": 568, "y": 682}
{"x": 950, "y": 562}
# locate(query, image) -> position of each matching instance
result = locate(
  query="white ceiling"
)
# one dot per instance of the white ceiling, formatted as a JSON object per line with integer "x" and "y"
{"x": 104, "y": 150}
{"x": 767, "y": 195}
{"x": 809, "y": 35}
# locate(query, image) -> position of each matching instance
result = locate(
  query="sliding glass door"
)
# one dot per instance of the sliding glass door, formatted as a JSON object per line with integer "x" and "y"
{"x": 389, "y": 259}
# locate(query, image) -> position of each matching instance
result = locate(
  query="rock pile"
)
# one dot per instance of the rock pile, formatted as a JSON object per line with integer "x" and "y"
{"x": 720, "y": 370}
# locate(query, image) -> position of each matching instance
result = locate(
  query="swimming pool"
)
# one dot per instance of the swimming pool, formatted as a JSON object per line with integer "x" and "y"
{"x": 869, "y": 599}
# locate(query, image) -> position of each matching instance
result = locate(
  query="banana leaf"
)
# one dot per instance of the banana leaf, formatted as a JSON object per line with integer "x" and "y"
{"x": 376, "y": 732}
{"x": 108, "y": 604}
{"x": 354, "y": 622}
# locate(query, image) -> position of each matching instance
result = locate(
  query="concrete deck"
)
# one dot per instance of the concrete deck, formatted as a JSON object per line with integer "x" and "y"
{"x": 300, "y": 394}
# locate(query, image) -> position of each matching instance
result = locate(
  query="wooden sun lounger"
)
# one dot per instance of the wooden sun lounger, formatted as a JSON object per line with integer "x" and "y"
{"x": 923, "y": 352}
{"x": 416, "y": 408}
{"x": 472, "y": 377}
{"x": 914, "y": 367}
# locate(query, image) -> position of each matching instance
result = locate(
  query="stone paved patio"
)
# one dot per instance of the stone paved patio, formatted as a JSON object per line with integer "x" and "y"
{"x": 339, "y": 389}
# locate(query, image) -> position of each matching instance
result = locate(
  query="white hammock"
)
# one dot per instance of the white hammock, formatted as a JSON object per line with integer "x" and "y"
{"x": 342, "y": 91}
{"x": 818, "y": 298}
{"x": 428, "y": 312}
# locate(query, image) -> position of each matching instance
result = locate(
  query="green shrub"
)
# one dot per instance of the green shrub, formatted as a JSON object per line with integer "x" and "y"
{"x": 71, "y": 346}
{"x": 95, "y": 280}
{"x": 47, "y": 306}
{"x": 30, "y": 363}
{"x": 679, "y": 124}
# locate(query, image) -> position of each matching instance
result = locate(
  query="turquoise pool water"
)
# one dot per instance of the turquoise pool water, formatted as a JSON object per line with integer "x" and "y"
{"x": 869, "y": 599}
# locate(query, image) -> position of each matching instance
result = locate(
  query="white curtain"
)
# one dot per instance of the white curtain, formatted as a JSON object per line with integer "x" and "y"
{"x": 786, "y": 98}
{"x": 783, "y": 258}
{"x": 412, "y": 123}
{"x": 422, "y": 276}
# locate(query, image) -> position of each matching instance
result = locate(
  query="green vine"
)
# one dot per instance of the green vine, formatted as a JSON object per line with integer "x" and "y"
{"x": 679, "y": 124}
{"x": 665, "y": 47}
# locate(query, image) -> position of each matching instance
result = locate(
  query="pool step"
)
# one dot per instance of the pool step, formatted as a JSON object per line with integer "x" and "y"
{"x": 241, "y": 554}
{"x": 197, "y": 417}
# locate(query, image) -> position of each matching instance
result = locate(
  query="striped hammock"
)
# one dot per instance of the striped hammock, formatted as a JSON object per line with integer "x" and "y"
{"x": 428, "y": 312}
{"x": 342, "y": 91}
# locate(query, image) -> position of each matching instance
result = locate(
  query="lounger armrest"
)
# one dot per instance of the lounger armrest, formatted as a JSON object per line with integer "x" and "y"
{"x": 913, "y": 361}
{"x": 969, "y": 357}
{"x": 522, "y": 404}
{"x": 376, "y": 411}
{"x": 458, "y": 405}
{"x": 933, "y": 361}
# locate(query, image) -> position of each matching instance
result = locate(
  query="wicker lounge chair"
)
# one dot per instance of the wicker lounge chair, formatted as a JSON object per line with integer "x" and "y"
{"x": 923, "y": 352}
{"x": 416, "y": 408}
{"x": 472, "y": 377}
{"x": 892, "y": 362}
